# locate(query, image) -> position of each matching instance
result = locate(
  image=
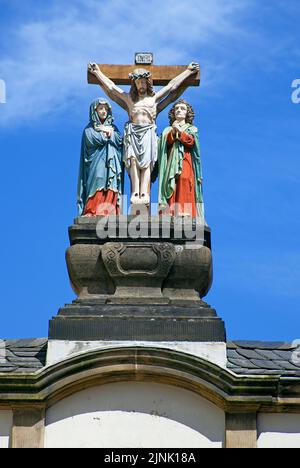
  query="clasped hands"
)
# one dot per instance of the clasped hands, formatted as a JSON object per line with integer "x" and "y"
{"x": 107, "y": 130}
{"x": 176, "y": 129}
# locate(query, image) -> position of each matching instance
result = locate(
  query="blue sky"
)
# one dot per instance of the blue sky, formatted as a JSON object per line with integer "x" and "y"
{"x": 250, "y": 141}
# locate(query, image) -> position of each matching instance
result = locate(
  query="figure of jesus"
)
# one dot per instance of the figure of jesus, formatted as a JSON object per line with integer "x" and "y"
{"x": 142, "y": 105}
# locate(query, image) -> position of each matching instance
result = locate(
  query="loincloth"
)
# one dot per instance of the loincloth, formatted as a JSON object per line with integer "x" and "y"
{"x": 140, "y": 143}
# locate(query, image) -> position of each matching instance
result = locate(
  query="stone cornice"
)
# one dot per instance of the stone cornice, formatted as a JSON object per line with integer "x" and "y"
{"x": 230, "y": 392}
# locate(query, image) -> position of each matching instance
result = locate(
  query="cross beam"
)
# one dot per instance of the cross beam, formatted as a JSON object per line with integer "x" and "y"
{"x": 161, "y": 74}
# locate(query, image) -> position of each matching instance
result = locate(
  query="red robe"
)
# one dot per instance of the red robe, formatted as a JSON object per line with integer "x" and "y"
{"x": 184, "y": 193}
{"x": 103, "y": 203}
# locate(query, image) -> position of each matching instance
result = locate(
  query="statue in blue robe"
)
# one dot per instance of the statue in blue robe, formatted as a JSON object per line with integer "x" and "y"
{"x": 101, "y": 172}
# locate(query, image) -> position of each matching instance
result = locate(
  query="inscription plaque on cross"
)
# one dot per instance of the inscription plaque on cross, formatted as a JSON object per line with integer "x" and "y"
{"x": 143, "y": 105}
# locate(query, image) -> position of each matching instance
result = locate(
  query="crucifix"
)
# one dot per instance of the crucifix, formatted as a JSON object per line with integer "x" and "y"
{"x": 143, "y": 105}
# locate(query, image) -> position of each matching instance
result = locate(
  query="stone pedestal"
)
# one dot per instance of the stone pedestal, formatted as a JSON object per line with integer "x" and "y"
{"x": 139, "y": 279}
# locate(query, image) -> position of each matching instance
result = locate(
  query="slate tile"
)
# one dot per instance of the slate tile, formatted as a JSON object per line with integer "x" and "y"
{"x": 7, "y": 369}
{"x": 244, "y": 363}
{"x": 28, "y": 360}
{"x": 284, "y": 355}
{"x": 266, "y": 354}
{"x": 265, "y": 364}
{"x": 9, "y": 353}
{"x": 231, "y": 353}
{"x": 16, "y": 350}
{"x": 231, "y": 345}
{"x": 294, "y": 363}
{"x": 231, "y": 365}
{"x": 286, "y": 346}
{"x": 287, "y": 365}
{"x": 238, "y": 370}
{"x": 248, "y": 353}
{"x": 7, "y": 364}
{"x": 27, "y": 354}
{"x": 27, "y": 343}
{"x": 261, "y": 344}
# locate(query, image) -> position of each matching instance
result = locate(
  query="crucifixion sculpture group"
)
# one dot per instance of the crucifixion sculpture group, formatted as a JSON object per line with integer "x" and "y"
{"x": 176, "y": 152}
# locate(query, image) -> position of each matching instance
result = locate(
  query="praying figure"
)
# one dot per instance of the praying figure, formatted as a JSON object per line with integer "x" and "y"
{"x": 179, "y": 165}
{"x": 142, "y": 105}
{"x": 100, "y": 172}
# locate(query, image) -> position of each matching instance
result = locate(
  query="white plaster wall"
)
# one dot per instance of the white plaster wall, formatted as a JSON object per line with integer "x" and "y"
{"x": 58, "y": 350}
{"x": 5, "y": 428}
{"x": 136, "y": 415}
{"x": 278, "y": 430}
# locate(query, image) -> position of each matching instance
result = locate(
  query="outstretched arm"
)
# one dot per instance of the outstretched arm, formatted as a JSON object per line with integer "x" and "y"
{"x": 173, "y": 96}
{"x": 175, "y": 84}
{"x": 113, "y": 91}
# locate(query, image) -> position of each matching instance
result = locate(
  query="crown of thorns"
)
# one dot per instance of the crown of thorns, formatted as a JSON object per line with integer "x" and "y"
{"x": 138, "y": 76}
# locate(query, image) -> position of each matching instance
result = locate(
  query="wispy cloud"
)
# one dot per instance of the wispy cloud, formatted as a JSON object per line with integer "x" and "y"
{"x": 270, "y": 273}
{"x": 46, "y": 68}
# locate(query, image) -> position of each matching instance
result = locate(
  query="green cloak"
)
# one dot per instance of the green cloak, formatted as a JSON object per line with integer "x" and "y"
{"x": 170, "y": 168}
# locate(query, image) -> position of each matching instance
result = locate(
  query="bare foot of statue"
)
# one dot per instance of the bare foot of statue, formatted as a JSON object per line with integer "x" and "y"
{"x": 135, "y": 199}
{"x": 145, "y": 199}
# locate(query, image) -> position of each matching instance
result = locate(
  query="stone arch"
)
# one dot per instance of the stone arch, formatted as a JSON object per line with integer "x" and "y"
{"x": 133, "y": 364}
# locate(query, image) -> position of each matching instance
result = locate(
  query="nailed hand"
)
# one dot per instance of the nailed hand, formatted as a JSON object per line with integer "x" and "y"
{"x": 194, "y": 67}
{"x": 93, "y": 68}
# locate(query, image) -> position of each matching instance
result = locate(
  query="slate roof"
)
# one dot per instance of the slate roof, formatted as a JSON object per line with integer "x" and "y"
{"x": 244, "y": 357}
{"x": 263, "y": 358}
{"x": 22, "y": 356}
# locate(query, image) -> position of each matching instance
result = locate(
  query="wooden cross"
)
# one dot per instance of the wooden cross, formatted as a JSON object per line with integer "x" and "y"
{"x": 161, "y": 74}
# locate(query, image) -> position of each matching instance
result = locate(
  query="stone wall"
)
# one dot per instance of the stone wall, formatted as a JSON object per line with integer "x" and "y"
{"x": 5, "y": 428}
{"x": 278, "y": 430}
{"x": 148, "y": 415}
{"x": 142, "y": 396}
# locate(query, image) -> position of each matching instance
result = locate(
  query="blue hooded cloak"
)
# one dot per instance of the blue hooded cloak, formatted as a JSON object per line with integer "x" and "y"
{"x": 100, "y": 159}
